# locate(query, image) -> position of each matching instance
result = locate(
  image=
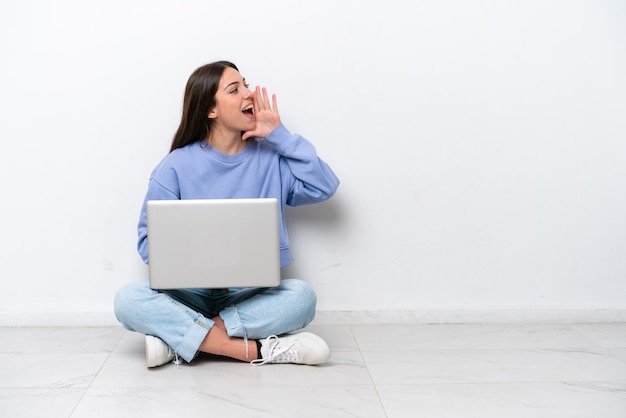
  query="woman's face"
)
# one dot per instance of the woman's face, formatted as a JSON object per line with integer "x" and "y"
{"x": 233, "y": 110}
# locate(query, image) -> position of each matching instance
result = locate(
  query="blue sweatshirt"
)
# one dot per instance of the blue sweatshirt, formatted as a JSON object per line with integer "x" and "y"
{"x": 284, "y": 166}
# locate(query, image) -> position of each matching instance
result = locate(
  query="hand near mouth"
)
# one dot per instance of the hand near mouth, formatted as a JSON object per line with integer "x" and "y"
{"x": 265, "y": 113}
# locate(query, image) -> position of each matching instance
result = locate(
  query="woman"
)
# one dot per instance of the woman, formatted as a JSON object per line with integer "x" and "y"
{"x": 230, "y": 144}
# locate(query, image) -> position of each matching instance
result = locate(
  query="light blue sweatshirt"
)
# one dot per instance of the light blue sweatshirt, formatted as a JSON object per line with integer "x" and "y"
{"x": 284, "y": 166}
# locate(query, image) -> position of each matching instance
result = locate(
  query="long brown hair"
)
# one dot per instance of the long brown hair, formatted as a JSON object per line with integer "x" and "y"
{"x": 199, "y": 99}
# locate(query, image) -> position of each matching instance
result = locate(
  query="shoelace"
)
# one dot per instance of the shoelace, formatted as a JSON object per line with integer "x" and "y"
{"x": 176, "y": 361}
{"x": 276, "y": 354}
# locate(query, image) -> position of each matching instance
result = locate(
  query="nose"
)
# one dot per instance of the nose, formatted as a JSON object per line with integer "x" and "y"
{"x": 247, "y": 92}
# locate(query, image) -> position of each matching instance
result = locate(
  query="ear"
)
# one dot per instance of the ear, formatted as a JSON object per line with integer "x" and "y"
{"x": 212, "y": 114}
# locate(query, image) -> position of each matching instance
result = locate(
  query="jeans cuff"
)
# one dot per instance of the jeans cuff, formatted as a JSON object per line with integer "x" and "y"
{"x": 234, "y": 327}
{"x": 188, "y": 347}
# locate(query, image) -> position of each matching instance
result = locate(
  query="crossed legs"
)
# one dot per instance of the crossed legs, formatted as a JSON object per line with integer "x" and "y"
{"x": 237, "y": 318}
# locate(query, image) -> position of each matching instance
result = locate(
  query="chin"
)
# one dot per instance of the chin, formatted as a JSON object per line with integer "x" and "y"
{"x": 250, "y": 127}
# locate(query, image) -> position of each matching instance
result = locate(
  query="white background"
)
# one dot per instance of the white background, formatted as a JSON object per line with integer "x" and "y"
{"x": 481, "y": 146}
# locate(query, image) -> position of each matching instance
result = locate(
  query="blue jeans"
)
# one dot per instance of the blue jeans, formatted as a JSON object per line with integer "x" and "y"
{"x": 182, "y": 318}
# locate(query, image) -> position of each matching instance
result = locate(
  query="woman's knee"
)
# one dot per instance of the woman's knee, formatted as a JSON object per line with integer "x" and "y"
{"x": 127, "y": 298}
{"x": 304, "y": 297}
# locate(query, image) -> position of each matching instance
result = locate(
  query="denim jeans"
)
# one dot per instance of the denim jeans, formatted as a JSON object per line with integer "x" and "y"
{"x": 182, "y": 318}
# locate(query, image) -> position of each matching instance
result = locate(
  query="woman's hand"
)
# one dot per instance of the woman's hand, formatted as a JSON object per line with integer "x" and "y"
{"x": 265, "y": 113}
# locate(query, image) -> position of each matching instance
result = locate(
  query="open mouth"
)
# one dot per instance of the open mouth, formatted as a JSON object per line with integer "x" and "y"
{"x": 249, "y": 111}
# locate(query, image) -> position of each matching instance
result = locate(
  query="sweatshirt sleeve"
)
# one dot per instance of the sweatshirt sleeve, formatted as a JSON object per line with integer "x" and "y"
{"x": 156, "y": 191}
{"x": 312, "y": 179}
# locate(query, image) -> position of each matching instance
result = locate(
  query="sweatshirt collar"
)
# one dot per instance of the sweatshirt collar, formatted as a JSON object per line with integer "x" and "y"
{"x": 228, "y": 158}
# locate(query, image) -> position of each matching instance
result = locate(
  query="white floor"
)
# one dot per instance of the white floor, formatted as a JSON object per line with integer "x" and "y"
{"x": 375, "y": 371}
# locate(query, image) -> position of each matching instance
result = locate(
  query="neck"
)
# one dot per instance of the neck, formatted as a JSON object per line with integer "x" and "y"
{"x": 231, "y": 144}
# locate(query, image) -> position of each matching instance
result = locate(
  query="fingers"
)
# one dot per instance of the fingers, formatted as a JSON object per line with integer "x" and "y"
{"x": 262, "y": 101}
{"x": 266, "y": 99}
{"x": 255, "y": 99}
{"x": 265, "y": 112}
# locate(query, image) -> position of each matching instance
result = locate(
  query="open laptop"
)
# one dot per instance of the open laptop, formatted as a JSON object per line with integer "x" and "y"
{"x": 213, "y": 243}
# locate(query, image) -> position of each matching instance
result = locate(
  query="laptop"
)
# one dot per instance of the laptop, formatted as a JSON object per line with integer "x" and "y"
{"x": 213, "y": 243}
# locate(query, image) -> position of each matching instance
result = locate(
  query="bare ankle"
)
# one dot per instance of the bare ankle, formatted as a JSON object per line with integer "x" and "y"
{"x": 218, "y": 342}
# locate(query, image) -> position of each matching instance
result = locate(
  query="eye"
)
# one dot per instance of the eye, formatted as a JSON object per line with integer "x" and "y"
{"x": 247, "y": 85}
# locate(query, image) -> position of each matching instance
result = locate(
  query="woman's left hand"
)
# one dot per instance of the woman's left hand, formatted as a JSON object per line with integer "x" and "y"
{"x": 265, "y": 113}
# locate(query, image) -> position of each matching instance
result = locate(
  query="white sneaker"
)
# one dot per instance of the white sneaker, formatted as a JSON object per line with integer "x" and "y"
{"x": 157, "y": 352}
{"x": 301, "y": 348}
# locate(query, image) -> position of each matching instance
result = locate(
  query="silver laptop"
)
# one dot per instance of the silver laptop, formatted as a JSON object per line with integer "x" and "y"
{"x": 213, "y": 243}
